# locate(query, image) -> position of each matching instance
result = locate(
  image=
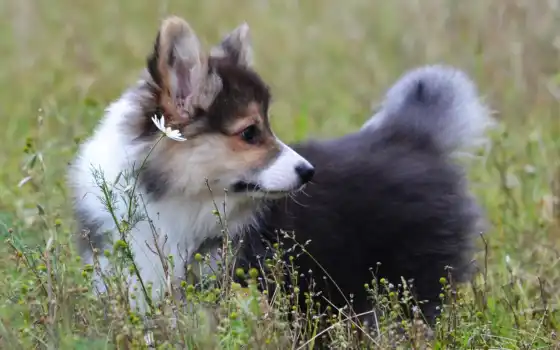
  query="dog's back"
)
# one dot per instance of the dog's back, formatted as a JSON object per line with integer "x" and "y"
{"x": 389, "y": 198}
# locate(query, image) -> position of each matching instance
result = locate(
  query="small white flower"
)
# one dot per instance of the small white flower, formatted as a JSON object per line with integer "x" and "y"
{"x": 172, "y": 134}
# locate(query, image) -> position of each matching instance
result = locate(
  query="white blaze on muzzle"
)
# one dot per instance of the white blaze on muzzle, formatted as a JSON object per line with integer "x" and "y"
{"x": 288, "y": 172}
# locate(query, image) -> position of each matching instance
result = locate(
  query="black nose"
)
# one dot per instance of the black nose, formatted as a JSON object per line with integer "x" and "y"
{"x": 305, "y": 172}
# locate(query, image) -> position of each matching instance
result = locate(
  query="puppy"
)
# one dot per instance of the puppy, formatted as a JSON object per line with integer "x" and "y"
{"x": 388, "y": 193}
{"x": 214, "y": 108}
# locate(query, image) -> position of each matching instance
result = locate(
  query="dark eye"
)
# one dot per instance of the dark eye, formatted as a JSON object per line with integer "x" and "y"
{"x": 250, "y": 134}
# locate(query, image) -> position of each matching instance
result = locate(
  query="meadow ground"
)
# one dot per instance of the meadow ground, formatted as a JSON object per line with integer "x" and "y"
{"x": 327, "y": 62}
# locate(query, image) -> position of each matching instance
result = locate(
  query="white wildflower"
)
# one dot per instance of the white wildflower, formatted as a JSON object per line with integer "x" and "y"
{"x": 172, "y": 134}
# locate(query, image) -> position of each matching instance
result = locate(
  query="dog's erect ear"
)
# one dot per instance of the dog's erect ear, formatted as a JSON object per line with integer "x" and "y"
{"x": 236, "y": 47}
{"x": 178, "y": 68}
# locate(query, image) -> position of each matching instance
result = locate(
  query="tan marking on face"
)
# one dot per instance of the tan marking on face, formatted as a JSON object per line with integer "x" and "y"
{"x": 211, "y": 156}
{"x": 252, "y": 156}
{"x": 221, "y": 156}
{"x": 250, "y": 115}
{"x": 265, "y": 148}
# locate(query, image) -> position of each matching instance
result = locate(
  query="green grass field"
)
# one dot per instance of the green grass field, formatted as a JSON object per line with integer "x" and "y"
{"x": 327, "y": 61}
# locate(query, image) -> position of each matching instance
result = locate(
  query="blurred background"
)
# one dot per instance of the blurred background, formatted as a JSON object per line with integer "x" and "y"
{"x": 328, "y": 62}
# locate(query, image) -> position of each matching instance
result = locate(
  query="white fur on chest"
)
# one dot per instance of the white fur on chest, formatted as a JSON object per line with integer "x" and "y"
{"x": 178, "y": 224}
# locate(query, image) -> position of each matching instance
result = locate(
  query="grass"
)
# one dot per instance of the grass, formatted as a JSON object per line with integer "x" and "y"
{"x": 327, "y": 63}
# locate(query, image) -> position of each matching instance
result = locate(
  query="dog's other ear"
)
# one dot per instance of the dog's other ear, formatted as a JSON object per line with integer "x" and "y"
{"x": 179, "y": 70}
{"x": 236, "y": 47}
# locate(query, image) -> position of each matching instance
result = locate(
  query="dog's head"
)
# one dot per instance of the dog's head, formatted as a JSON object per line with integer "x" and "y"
{"x": 220, "y": 105}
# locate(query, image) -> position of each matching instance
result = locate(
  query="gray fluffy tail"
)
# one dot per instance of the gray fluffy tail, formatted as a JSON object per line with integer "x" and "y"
{"x": 437, "y": 102}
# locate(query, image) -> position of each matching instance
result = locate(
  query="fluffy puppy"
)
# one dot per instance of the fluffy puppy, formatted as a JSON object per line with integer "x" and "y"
{"x": 160, "y": 196}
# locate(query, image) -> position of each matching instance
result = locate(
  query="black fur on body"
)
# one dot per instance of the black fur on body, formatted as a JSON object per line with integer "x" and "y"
{"x": 388, "y": 199}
